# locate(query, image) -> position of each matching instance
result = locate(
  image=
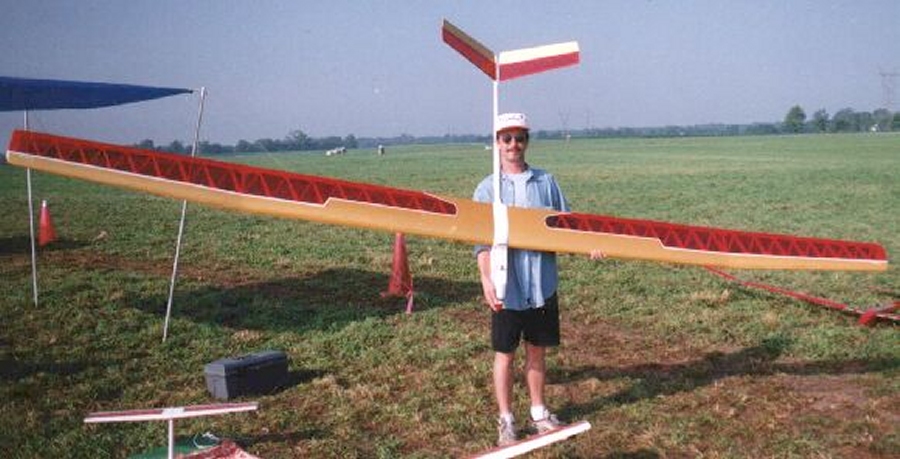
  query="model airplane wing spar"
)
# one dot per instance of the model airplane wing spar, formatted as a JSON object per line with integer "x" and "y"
{"x": 326, "y": 200}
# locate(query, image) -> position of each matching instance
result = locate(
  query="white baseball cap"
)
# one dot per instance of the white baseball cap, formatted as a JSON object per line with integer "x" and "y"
{"x": 512, "y": 121}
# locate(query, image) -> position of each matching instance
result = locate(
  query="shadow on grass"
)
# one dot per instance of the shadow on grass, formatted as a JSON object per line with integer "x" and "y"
{"x": 296, "y": 378}
{"x": 326, "y": 300}
{"x": 12, "y": 369}
{"x": 21, "y": 245}
{"x": 654, "y": 379}
{"x": 639, "y": 454}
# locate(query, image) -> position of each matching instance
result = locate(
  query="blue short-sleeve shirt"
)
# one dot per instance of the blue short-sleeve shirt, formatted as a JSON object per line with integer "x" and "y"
{"x": 532, "y": 275}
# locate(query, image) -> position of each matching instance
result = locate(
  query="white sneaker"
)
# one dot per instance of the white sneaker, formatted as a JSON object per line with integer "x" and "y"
{"x": 506, "y": 432}
{"x": 548, "y": 423}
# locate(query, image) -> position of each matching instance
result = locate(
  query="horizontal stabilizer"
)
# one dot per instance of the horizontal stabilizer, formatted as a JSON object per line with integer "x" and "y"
{"x": 167, "y": 414}
{"x": 522, "y": 62}
{"x": 470, "y": 48}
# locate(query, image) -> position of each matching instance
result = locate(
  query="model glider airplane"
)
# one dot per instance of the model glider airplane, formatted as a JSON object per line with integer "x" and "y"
{"x": 326, "y": 200}
{"x": 282, "y": 194}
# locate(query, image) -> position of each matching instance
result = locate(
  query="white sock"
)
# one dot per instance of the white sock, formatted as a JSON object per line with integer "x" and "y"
{"x": 538, "y": 412}
{"x": 507, "y": 417}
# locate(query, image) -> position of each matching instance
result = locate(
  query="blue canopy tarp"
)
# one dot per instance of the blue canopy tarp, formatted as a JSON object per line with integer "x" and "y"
{"x": 20, "y": 94}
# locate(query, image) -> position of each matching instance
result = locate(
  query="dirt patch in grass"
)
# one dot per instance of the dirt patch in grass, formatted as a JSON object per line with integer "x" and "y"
{"x": 650, "y": 398}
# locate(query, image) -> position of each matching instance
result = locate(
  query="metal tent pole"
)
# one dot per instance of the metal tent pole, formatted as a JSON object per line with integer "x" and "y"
{"x": 194, "y": 149}
{"x": 496, "y": 149}
{"x": 171, "y": 449}
{"x": 34, "y": 282}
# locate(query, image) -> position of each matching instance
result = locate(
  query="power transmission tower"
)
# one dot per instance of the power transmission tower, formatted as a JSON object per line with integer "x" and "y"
{"x": 564, "y": 119}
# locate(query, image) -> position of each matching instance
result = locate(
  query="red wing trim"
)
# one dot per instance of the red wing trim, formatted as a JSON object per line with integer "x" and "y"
{"x": 221, "y": 175}
{"x": 707, "y": 239}
{"x": 221, "y": 407}
{"x": 99, "y": 415}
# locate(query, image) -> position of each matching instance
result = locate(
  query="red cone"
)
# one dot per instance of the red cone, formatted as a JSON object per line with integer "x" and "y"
{"x": 46, "y": 232}
{"x": 401, "y": 282}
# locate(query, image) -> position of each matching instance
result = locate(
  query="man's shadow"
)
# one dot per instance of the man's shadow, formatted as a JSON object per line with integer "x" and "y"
{"x": 325, "y": 300}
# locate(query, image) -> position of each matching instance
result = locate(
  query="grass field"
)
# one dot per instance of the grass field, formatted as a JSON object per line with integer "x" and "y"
{"x": 664, "y": 361}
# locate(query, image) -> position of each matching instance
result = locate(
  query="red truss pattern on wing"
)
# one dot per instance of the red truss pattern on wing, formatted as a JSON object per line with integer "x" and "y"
{"x": 720, "y": 240}
{"x": 221, "y": 175}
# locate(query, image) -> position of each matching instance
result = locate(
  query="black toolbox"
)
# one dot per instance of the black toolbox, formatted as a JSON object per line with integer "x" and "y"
{"x": 257, "y": 373}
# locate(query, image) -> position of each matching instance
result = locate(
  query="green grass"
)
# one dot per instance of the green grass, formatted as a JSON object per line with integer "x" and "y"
{"x": 665, "y": 361}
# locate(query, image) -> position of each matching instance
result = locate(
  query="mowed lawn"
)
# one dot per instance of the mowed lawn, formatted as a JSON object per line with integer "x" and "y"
{"x": 664, "y": 361}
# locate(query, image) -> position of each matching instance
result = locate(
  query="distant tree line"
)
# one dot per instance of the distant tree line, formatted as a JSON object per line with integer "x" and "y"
{"x": 795, "y": 122}
{"x": 845, "y": 120}
{"x": 296, "y": 140}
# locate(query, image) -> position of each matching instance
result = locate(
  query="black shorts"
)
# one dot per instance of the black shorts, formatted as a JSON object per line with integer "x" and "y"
{"x": 538, "y": 326}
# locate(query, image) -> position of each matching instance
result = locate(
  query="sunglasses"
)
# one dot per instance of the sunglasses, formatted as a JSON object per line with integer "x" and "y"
{"x": 508, "y": 138}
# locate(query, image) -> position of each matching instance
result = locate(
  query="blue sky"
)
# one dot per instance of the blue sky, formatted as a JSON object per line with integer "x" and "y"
{"x": 379, "y": 68}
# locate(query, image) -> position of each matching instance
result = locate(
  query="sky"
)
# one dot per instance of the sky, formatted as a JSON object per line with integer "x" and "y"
{"x": 379, "y": 68}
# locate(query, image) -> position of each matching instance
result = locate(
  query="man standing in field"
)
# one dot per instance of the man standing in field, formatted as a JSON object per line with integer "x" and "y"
{"x": 530, "y": 310}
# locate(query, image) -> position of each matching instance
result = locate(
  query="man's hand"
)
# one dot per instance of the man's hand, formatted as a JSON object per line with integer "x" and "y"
{"x": 597, "y": 254}
{"x": 490, "y": 294}
{"x": 487, "y": 285}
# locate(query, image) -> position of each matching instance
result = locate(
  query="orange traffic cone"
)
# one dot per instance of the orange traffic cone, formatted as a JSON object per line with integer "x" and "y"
{"x": 401, "y": 282}
{"x": 46, "y": 232}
